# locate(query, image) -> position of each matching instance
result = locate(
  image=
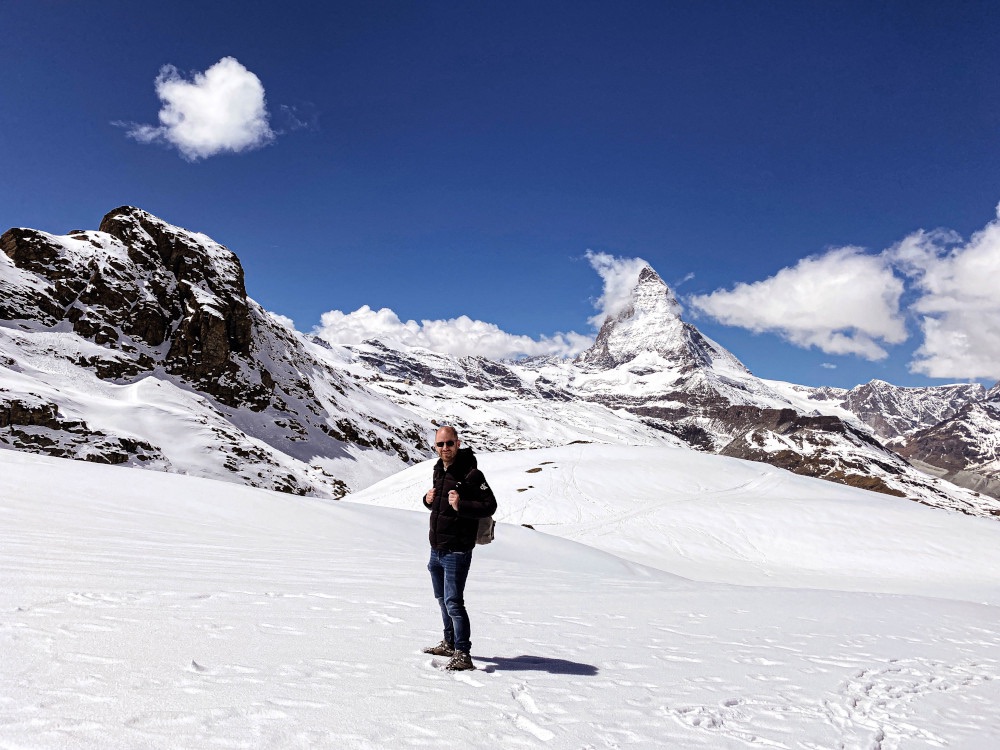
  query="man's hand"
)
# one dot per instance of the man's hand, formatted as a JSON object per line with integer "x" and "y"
{"x": 429, "y": 497}
{"x": 453, "y": 499}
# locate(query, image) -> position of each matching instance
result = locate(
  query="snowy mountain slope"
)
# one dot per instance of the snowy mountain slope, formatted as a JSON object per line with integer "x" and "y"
{"x": 143, "y": 609}
{"x": 892, "y": 411}
{"x": 950, "y": 431}
{"x": 713, "y": 518}
{"x": 965, "y": 449}
{"x": 889, "y": 411}
{"x": 100, "y": 325}
{"x": 495, "y": 405}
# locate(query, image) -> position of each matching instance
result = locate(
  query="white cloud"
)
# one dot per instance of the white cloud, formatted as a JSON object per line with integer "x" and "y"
{"x": 220, "y": 110}
{"x": 958, "y": 303}
{"x": 463, "y": 336}
{"x": 459, "y": 336}
{"x": 620, "y": 276}
{"x": 841, "y": 302}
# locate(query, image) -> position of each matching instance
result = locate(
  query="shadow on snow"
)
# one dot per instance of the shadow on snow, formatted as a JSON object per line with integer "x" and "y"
{"x": 537, "y": 664}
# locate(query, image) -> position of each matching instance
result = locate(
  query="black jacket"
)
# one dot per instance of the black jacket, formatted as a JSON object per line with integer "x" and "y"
{"x": 456, "y": 531}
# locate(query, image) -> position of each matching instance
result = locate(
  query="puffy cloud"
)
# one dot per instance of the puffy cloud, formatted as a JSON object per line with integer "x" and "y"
{"x": 222, "y": 109}
{"x": 620, "y": 275}
{"x": 463, "y": 336}
{"x": 459, "y": 336}
{"x": 958, "y": 303}
{"x": 841, "y": 302}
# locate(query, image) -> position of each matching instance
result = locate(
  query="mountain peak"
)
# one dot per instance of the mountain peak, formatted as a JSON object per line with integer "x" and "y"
{"x": 651, "y": 323}
{"x": 652, "y": 295}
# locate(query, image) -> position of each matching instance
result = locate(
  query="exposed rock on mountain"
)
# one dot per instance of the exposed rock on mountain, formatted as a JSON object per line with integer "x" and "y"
{"x": 965, "y": 448}
{"x": 144, "y": 312}
{"x": 894, "y": 412}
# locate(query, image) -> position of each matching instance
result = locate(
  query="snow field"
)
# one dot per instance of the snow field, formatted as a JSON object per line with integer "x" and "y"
{"x": 147, "y": 610}
{"x": 725, "y": 520}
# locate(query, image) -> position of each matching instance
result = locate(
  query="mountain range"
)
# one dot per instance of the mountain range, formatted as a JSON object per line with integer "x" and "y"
{"x": 136, "y": 344}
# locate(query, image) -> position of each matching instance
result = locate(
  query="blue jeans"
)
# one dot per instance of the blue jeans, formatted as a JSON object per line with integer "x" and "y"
{"x": 449, "y": 570}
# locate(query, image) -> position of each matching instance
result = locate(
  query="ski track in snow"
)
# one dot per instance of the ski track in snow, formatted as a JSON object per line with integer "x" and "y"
{"x": 282, "y": 623}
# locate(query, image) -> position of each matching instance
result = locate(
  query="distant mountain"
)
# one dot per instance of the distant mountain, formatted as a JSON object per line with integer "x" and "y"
{"x": 890, "y": 412}
{"x": 137, "y": 344}
{"x": 964, "y": 448}
{"x": 949, "y": 431}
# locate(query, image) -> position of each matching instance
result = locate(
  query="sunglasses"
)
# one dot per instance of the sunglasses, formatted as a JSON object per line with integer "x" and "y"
{"x": 443, "y": 443}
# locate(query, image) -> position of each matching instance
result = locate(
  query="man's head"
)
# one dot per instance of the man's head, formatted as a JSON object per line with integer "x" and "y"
{"x": 446, "y": 443}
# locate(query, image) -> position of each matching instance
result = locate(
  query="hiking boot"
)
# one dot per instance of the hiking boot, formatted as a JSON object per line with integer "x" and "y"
{"x": 460, "y": 661}
{"x": 442, "y": 649}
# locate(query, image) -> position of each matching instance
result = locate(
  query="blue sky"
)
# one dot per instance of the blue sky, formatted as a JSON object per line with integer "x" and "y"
{"x": 776, "y": 163}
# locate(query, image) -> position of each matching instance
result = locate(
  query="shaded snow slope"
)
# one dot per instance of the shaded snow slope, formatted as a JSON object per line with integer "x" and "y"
{"x": 149, "y": 610}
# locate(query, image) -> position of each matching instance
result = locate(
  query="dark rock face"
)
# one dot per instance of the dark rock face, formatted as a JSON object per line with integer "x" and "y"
{"x": 200, "y": 301}
{"x": 163, "y": 303}
{"x": 160, "y": 285}
{"x": 38, "y": 427}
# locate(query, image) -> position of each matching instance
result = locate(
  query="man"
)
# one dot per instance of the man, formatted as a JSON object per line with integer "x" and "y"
{"x": 459, "y": 498}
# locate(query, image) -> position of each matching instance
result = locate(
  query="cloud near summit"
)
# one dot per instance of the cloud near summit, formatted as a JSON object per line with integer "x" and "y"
{"x": 463, "y": 336}
{"x": 620, "y": 276}
{"x": 220, "y": 110}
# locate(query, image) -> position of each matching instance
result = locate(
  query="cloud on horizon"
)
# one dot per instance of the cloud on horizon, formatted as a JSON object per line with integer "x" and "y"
{"x": 220, "y": 110}
{"x": 459, "y": 336}
{"x": 846, "y": 301}
{"x": 463, "y": 336}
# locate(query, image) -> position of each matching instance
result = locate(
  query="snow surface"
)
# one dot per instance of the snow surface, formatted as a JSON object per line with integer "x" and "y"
{"x": 726, "y": 520}
{"x": 150, "y": 610}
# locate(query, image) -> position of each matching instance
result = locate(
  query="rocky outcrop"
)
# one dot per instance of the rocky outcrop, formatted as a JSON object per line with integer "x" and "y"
{"x": 141, "y": 300}
{"x": 36, "y": 426}
{"x": 139, "y": 284}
